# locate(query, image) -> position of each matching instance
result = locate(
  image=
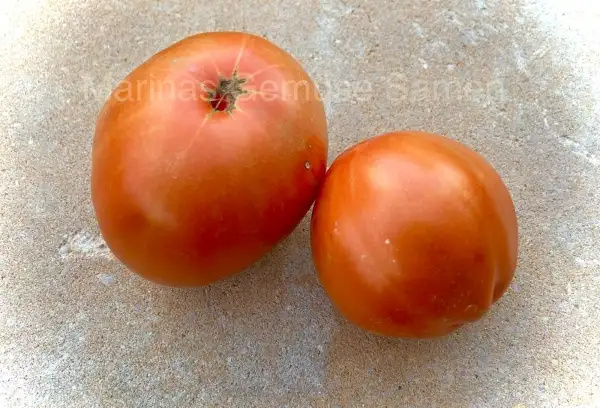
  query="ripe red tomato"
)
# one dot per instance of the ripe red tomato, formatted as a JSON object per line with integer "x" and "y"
{"x": 413, "y": 235}
{"x": 206, "y": 156}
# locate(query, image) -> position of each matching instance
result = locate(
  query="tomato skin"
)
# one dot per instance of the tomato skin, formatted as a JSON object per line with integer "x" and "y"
{"x": 413, "y": 235}
{"x": 187, "y": 193}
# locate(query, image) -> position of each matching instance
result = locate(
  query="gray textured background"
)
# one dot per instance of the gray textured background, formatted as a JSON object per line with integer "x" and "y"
{"x": 78, "y": 330}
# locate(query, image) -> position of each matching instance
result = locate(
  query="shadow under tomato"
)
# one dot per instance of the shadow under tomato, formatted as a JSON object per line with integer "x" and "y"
{"x": 365, "y": 367}
{"x": 269, "y": 326}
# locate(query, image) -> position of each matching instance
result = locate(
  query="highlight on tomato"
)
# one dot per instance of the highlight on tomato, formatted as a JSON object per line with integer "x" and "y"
{"x": 206, "y": 156}
{"x": 413, "y": 235}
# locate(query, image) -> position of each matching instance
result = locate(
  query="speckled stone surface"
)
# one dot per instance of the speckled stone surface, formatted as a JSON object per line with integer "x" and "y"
{"x": 517, "y": 81}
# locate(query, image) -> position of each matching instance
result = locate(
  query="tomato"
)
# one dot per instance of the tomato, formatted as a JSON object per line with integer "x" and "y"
{"x": 413, "y": 235}
{"x": 206, "y": 156}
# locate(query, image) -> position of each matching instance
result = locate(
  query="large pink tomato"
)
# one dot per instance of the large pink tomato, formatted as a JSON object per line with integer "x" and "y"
{"x": 206, "y": 156}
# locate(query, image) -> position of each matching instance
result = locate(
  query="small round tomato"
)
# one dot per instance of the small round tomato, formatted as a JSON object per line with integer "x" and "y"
{"x": 206, "y": 156}
{"x": 413, "y": 235}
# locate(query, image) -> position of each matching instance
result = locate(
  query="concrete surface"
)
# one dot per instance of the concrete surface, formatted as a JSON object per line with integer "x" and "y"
{"x": 78, "y": 330}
